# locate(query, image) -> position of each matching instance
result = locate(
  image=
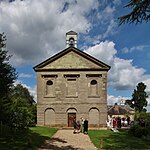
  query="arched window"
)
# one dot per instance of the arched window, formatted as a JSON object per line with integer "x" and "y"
{"x": 71, "y": 42}
{"x": 49, "y": 117}
{"x": 94, "y": 117}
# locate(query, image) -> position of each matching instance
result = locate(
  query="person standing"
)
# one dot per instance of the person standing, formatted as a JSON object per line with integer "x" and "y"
{"x": 78, "y": 126}
{"x": 128, "y": 120}
{"x": 119, "y": 122}
{"x": 114, "y": 122}
{"x": 82, "y": 125}
{"x": 86, "y": 126}
{"x": 74, "y": 125}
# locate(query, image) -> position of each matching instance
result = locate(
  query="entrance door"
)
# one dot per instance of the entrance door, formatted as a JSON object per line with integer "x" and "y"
{"x": 71, "y": 116}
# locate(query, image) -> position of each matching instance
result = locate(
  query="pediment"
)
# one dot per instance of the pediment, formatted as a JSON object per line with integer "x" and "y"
{"x": 71, "y": 58}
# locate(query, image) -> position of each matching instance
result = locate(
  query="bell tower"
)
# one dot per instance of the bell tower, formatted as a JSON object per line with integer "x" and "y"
{"x": 71, "y": 39}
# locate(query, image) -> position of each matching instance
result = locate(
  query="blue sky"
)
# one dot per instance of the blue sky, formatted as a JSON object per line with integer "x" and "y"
{"x": 36, "y": 30}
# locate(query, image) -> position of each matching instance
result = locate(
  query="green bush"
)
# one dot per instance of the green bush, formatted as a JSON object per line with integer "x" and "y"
{"x": 138, "y": 131}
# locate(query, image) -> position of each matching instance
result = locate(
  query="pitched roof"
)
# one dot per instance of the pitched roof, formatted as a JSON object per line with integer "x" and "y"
{"x": 75, "y": 50}
{"x": 120, "y": 110}
{"x": 71, "y": 33}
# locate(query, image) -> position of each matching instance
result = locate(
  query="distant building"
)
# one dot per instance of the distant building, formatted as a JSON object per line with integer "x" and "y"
{"x": 121, "y": 111}
{"x": 71, "y": 84}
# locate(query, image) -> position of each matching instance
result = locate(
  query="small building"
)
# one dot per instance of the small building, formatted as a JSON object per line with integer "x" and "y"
{"x": 71, "y": 84}
{"x": 120, "y": 111}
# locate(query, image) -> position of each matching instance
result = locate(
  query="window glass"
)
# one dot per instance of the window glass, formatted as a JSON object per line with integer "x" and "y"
{"x": 49, "y": 82}
{"x": 93, "y": 82}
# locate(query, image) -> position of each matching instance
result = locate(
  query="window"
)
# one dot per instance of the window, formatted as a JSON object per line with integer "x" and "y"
{"x": 49, "y": 84}
{"x": 93, "y": 82}
{"x": 71, "y": 85}
{"x": 71, "y": 90}
{"x": 49, "y": 88}
{"x": 93, "y": 87}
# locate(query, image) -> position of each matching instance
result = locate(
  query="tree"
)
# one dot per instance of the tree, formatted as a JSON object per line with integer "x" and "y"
{"x": 19, "y": 114}
{"x": 19, "y": 91}
{"x": 139, "y": 96}
{"x": 23, "y": 108}
{"x": 7, "y": 77}
{"x": 140, "y": 12}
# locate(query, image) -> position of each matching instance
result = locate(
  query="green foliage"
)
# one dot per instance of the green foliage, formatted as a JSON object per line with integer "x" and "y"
{"x": 138, "y": 131}
{"x": 33, "y": 115}
{"x": 145, "y": 116}
{"x": 7, "y": 72}
{"x": 22, "y": 109}
{"x": 140, "y": 12}
{"x": 20, "y": 114}
{"x": 17, "y": 107}
{"x": 23, "y": 93}
{"x": 139, "y": 98}
{"x": 7, "y": 78}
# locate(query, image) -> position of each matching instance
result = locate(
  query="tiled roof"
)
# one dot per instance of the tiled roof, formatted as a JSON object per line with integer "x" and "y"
{"x": 120, "y": 110}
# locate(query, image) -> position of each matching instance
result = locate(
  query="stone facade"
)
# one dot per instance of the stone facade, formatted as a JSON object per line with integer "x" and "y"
{"x": 71, "y": 84}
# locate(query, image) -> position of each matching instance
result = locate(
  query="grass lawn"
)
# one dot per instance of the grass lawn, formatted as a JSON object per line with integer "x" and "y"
{"x": 117, "y": 140}
{"x": 26, "y": 140}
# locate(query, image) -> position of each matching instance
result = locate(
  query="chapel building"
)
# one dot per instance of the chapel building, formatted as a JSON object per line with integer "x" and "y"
{"x": 71, "y": 84}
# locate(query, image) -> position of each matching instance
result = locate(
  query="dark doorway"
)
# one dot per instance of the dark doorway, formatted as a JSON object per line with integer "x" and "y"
{"x": 71, "y": 116}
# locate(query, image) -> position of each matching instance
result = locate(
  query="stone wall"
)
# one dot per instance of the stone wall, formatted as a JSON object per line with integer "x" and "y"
{"x": 60, "y": 100}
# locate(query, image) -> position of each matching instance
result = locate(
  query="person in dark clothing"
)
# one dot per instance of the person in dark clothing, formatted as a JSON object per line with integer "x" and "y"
{"x": 78, "y": 126}
{"x": 86, "y": 126}
{"x": 119, "y": 122}
{"x": 74, "y": 125}
{"x": 128, "y": 120}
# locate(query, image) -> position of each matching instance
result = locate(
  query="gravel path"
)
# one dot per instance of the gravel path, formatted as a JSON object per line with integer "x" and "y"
{"x": 66, "y": 140}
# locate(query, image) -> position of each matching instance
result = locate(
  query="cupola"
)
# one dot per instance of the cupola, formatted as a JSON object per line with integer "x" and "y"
{"x": 71, "y": 39}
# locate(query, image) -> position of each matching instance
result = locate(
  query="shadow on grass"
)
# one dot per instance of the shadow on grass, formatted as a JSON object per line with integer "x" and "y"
{"x": 118, "y": 140}
{"x": 21, "y": 140}
{"x": 32, "y": 139}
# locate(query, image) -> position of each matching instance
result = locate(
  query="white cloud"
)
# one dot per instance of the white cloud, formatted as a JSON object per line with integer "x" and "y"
{"x": 148, "y": 108}
{"x": 100, "y": 50}
{"x": 36, "y": 30}
{"x": 135, "y": 48}
{"x": 111, "y": 100}
{"x": 32, "y": 90}
{"x": 106, "y": 21}
{"x": 110, "y": 29}
{"x": 123, "y": 74}
{"x": 33, "y": 36}
{"x": 23, "y": 75}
